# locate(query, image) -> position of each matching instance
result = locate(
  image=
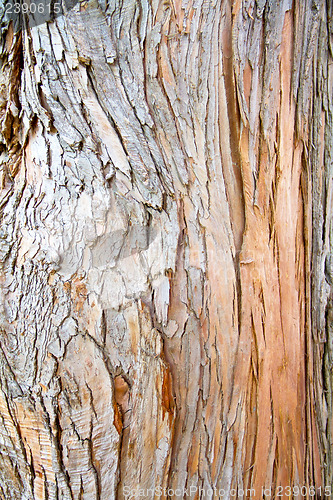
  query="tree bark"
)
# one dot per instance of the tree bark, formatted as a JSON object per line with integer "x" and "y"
{"x": 166, "y": 248}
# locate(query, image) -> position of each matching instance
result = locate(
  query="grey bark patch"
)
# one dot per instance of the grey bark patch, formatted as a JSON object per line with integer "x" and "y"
{"x": 56, "y": 348}
{"x": 122, "y": 243}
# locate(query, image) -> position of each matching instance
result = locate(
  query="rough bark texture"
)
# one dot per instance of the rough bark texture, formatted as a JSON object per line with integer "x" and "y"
{"x": 166, "y": 247}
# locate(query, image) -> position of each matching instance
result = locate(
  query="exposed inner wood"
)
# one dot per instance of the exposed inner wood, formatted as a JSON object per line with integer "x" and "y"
{"x": 166, "y": 248}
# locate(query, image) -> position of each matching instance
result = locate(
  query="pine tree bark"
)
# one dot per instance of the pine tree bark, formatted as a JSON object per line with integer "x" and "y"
{"x": 166, "y": 248}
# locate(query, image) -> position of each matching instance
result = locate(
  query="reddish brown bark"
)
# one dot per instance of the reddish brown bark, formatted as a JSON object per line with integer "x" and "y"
{"x": 167, "y": 251}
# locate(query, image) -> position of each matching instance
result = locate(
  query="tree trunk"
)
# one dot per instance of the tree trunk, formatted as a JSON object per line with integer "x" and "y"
{"x": 166, "y": 250}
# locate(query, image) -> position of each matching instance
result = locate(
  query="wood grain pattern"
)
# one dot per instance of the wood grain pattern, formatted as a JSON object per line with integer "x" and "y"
{"x": 166, "y": 248}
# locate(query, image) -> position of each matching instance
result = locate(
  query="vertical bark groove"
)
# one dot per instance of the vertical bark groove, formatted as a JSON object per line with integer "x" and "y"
{"x": 166, "y": 250}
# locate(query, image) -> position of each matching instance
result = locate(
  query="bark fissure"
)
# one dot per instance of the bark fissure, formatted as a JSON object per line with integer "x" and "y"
{"x": 166, "y": 250}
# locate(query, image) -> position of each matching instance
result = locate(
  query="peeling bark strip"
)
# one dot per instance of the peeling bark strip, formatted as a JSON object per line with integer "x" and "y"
{"x": 166, "y": 248}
